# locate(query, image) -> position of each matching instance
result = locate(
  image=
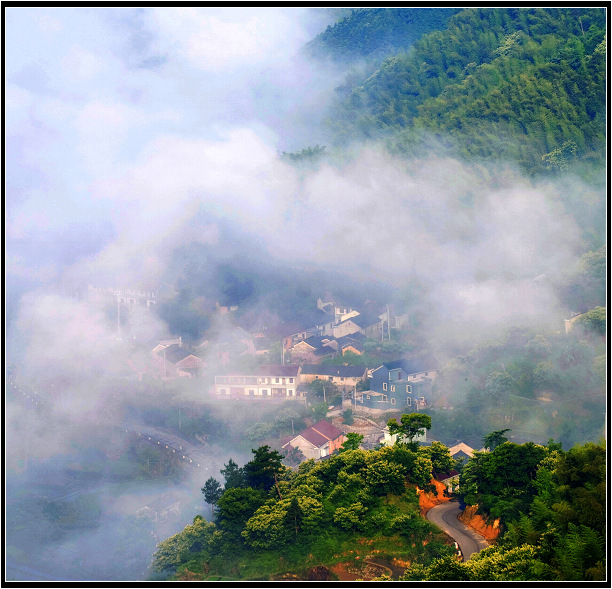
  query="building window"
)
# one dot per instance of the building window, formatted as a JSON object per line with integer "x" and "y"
{"x": 368, "y": 396}
{"x": 392, "y": 388}
{"x": 426, "y": 373}
{"x": 290, "y": 391}
{"x": 409, "y": 402}
{"x": 384, "y": 386}
{"x": 223, "y": 391}
{"x": 264, "y": 392}
{"x": 392, "y": 400}
{"x": 384, "y": 398}
{"x": 291, "y": 380}
{"x": 251, "y": 392}
{"x": 277, "y": 380}
{"x": 408, "y": 388}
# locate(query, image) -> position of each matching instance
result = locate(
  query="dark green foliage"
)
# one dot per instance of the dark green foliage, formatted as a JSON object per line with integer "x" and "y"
{"x": 583, "y": 286}
{"x": 347, "y": 416}
{"x": 307, "y": 155}
{"x": 523, "y": 85}
{"x": 353, "y": 441}
{"x": 376, "y": 32}
{"x": 412, "y": 425}
{"x": 494, "y": 439}
{"x": 233, "y": 474}
{"x": 261, "y": 471}
{"x": 594, "y": 321}
{"x": 561, "y": 528}
{"x": 315, "y": 511}
{"x": 294, "y": 516}
{"x": 502, "y": 482}
{"x": 440, "y": 457}
{"x": 236, "y": 506}
{"x": 212, "y": 492}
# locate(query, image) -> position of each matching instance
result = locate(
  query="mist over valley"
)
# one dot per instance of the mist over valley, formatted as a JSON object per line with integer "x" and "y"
{"x": 199, "y": 194}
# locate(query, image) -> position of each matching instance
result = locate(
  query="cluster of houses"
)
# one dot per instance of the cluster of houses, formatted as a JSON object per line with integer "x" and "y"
{"x": 329, "y": 333}
{"x": 392, "y": 385}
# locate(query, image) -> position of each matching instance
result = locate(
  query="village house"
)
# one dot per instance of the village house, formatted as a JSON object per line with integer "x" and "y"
{"x": 314, "y": 349}
{"x": 352, "y": 343}
{"x": 175, "y": 361}
{"x": 161, "y": 508}
{"x": 450, "y": 479}
{"x": 144, "y": 297}
{"x": 461, "y": 452}
{"x": 344, "y": 377}
{"x": 399, "y": 384}
{"x": 168, "y": 342}
{"x": 265, "y": 382}
{"x": 317, "y": 441}
{"x": 371, "y": 326}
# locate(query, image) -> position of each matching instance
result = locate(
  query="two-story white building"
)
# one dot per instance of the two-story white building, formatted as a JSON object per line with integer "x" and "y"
{"x": 265, "y": 382}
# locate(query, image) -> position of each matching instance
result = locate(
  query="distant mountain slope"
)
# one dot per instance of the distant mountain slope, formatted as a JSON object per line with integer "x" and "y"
{"x": 525, "y": 84}
{"x": 376, "y": 32}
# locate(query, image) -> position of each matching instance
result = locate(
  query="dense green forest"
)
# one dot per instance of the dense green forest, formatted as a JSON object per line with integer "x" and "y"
{"x": 271, "y": 521}
{"x": 274, "y": 522}
{"x": 525, "y": 85}
{"x": 373, "y": 33}
{"x": 552, "y": 509}
{"x": 519, "y": 87}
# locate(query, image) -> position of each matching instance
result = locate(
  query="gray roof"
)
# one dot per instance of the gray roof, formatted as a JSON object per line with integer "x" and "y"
{"x": 413, "y": 365}
{"x": 345, "y": 371}
{"x": 364, "y": 321}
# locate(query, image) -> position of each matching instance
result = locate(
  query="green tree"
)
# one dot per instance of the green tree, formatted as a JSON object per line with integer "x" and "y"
{"x": 182, "y": 546}
{"x": 494, "y": 439}
{"x": 212, "y": 493}
{"x": 350, "y": 518}
{"x": 385, "y": 477}
{"x": 236, "y": 506}
{"x": 233, "y": 474}
{"x": 411, "y": 426}
{"x": 594, "y": 320}
{"x": 294, "y": 515}
{"x": 271, "y": 527}
{"x": 352, "y": 442}
{"x": 502, "y": 482}
{"x": 347, "y": 416}
{"x": 439, "y": 454}
{"x": 319, "y": 411}
{"x": 261, "y": 471}
{"x": 258, "y": 431}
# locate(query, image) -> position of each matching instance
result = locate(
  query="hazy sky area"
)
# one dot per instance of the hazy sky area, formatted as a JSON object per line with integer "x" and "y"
{"x": 132, "y": 131}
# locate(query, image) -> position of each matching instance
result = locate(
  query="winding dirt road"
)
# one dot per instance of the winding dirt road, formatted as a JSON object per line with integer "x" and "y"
{"x": 445, "y": 517}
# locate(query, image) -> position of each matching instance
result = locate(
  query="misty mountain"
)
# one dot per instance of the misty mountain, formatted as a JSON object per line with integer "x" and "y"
{"x": 524, "y": 85}
{"x": 375, "y": 33}
{"x": 195, "y": 178}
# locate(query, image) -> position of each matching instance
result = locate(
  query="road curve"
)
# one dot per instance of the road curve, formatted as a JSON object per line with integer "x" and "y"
{"x": 445, "y": 517}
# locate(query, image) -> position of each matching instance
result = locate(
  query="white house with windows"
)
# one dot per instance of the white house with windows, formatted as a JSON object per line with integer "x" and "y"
{"x": 265, "y": 382}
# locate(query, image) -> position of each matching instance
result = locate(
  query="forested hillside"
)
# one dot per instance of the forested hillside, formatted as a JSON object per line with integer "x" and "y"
{"x": 374, "y": 33}
{"x": 275, "y": 522}
{"x": 525, "y": 85}
{"x": 551, "y": 506}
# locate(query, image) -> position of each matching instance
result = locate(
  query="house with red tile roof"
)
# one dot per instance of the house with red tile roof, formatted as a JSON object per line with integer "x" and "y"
{"x": 319, "y": 440}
